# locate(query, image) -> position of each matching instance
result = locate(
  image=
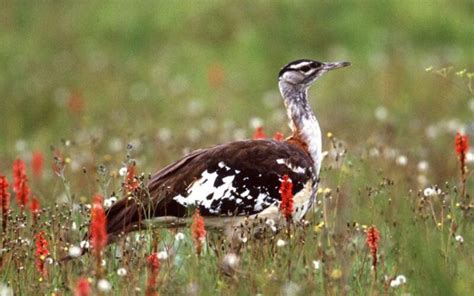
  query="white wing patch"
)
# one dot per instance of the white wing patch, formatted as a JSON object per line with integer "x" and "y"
{"x": 295, "y": 169}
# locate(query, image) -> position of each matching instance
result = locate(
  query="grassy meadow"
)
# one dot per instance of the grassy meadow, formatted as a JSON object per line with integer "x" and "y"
{"x": 89, "y": 87}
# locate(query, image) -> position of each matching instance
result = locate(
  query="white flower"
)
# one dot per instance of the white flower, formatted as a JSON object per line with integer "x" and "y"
{"x": 423, "y": 166}
{"x": 75, "y": 251}
{"x": 459, "y": 239}
{"x": 470, "y": 156}
{"x": 281, "y": 243}
{"x": 399, "y": 280}
{"x": 163, "y": 255}
{"x": 121, "y": 272}
{"x": 381, "y": 113}
{"x": 103, "y": 262}
{"x": 431, "y": 191}
{"x": 402, "y": 160}
{"x": 73, "y": 226}
{"x": 104, "y": 285}
{"x": 316, "y": 264}
{"x": 179, "y": 236}
{"x": 123, "y": 171}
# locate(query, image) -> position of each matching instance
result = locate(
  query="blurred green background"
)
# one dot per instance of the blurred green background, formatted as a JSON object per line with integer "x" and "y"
{"x": 196, "y": 73}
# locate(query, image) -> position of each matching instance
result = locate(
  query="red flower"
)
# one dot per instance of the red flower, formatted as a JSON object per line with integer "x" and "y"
{"x": 461, "y": 143}
{"x": 131, "y": 182}
{"x": 278, "y": 136}
{"x": 373, "y": 240}
{"x": 153, "y": 264}
{"x": 41, "y": 253}
{"x": 198, "y": 231}
{"x": 4, "y": 200}
{"x": 286, "y": 193}
{"x": 259, "y": 134}
{"x": 83, "y": 288}
{"x": 37, "y": 163}
{"x": 19, "y": 173}
{"x": 35, "y": 208}
{"x": 98, "y": 225}
{"x": 23, "y": 195}
{"x": 20, "y": 183}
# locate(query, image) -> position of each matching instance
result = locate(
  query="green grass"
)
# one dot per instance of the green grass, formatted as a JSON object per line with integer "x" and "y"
{"x": 173, "y": 76}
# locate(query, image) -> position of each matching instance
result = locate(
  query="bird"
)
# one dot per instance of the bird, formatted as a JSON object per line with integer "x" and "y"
{"x": 238, "y": 180}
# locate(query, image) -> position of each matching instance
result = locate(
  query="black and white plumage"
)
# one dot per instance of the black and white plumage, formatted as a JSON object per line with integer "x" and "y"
{"x": 238, "y": 179}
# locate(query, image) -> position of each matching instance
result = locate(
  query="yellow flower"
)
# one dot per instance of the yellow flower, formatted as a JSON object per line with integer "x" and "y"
{"x": 336, "y": 274}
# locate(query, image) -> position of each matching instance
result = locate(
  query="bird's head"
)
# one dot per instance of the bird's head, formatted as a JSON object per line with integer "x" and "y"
{"x": 302, "y": 73}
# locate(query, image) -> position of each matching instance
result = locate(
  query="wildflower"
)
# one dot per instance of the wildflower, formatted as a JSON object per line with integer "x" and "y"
{"x": 286, "y": 192}
{"x": 35, "y": 208}
{"x": 381, "y": 113}
{"x": 20, "y": 183}
{"x": 37, "y": 162}
{"x": 121, "y": 272}
{"x": 461, "y": 145}
{"x": 108, "y": 202}
{"x": 153, "y": 264}
{"x": 179, "y": 236}
{"x": 198, "y": 231}
{"x": 316, "y": 264}
{"x": 98, "y": 225}
{"x": 123, "y": 171}
{"x": 459, "y": 239}
{"x": 399, "y": 280}
{"x": 104, "y": 285}
{"x": 75, "y": 251}
{"x": 259, "y": 133}
{"x": 431, "y": 191}
{"x": 229, "y": 264}
{"x": 83, "y": 287}
{"x": 423, "y": 166}
{"x": 373, "y": 240}
{"x": 278, "y": 136}
{"x": 41, "y": 252}
{"x": 163, "y": 255}
{"x": 281, "y": 243}
{"x": 4, "y": 200}
{"x": 402, "y": 160}
{"x": 19, "y": 172}
{"x": 131, "y": 182}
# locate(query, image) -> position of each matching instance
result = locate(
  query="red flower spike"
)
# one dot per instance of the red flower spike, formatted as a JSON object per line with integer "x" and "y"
{"x": 153, "y": 265}
{"x": 23, "y": 195}
{"x": 373, "y": 240}
{"x": 4, "y": 200}
{"x": 259, "y": 134}
{"x": 19, "y": 173}
{"x": 98, "y": 224}
{"x": 131, "y": 182}
{"x": 278, "y": 136}
{"x": 37, "y": 164}
{"x": 83, "y": 287}
{"x": 461, "y": 144}
{"x": 35, "y": 208}
{"x": 41, "y": 253}
{"x": 198, "y": 231}
{"x": 286, "y": 193}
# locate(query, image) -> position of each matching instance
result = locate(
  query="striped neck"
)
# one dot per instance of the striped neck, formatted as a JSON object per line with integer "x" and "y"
{"x": 303, "y": 122}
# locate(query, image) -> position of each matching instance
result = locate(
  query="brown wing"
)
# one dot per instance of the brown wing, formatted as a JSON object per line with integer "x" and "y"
{"x": 239, "y": 178}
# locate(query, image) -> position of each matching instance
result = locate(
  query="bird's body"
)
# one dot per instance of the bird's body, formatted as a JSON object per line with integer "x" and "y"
{"x": 240, "y": 179}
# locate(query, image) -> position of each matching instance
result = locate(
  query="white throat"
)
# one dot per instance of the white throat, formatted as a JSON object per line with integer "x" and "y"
{"x": 303, "y": 122}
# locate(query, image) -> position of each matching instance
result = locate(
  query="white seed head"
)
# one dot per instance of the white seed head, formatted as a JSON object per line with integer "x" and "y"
{"x": 123, "y": 171}
{"x": 401, "y": 160}
{"x": 121, "y": 272}
{"x": 459, "y": 239}
{"x": 75, "y": 251}
{"x": 316, "y": 264}
{"x": 281, "y": 243}
{"x": 179, "y": 236}
{"x": 163, "y": 255}
{"x": 104, "y": 285}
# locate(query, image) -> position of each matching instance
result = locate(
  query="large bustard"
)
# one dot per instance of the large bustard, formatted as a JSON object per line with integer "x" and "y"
{"x": 241, "y": 179}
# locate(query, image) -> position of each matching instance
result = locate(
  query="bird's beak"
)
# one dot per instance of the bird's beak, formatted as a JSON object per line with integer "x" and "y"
{"x": 335, "y": 65}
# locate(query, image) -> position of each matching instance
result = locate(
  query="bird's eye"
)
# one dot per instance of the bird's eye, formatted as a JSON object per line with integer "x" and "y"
{"x": 305, "y": 68}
